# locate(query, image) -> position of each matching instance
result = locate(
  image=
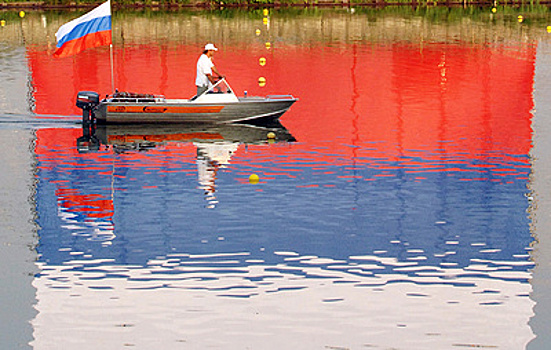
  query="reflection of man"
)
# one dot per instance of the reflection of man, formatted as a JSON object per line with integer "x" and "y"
{"x": 210, "y": 158}
{"x": 205, "y": 67}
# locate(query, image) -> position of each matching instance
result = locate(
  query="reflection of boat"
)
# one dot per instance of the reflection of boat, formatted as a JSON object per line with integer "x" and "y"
{"x": 132, "y": 136}
{"x": 218, "y": 104}
{"x": 216, "y": 144}
{"x": 140, "y": 137}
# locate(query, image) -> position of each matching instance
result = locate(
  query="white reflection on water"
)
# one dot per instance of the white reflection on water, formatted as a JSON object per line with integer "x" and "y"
{"x": 400, "y": 269}
{"x": 98, "y": 230}
{"x": 212, "y": 301}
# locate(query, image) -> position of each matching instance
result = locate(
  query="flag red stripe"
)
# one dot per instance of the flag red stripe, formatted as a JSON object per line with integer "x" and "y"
{"x": 88, "y": 41}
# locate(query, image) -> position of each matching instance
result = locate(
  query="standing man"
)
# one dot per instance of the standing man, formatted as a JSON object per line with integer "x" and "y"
{"x": 205, "y": 67}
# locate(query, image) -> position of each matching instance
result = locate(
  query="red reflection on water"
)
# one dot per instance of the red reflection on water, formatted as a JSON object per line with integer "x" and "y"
{"x": 393, "y": 101}
{"x": 93, "y": 205}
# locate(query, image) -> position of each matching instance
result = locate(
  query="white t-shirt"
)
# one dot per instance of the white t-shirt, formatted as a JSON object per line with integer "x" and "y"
{"x": 204, "y": 67}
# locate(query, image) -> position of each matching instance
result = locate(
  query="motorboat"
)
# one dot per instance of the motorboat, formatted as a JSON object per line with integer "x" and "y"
{"x": 218, "y": 104}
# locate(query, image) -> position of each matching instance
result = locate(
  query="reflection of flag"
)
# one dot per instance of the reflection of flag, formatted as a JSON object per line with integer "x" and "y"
{"x": 91, "y": 30}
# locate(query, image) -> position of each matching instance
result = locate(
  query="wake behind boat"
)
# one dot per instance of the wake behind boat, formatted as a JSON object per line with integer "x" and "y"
{"x": 218, "y": 104}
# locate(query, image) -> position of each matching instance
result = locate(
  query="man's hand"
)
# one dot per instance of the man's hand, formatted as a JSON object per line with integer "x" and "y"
{"x": 211, "y": 78}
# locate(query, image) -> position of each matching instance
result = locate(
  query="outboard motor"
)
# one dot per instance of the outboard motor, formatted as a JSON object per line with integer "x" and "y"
{"x": 87, "y": 101}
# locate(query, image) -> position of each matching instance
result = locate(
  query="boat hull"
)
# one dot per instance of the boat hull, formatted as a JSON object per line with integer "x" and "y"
{"x": 245, "y": 110}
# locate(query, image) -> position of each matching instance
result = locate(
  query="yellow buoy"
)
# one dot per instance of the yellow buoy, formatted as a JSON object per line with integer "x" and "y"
{"x": 261, "y": 81}
{"x": 265, "y": 12}
{"x": 253, "y": 179}
{"x": 265, "y": 20}
{"x": 21, "y": 14}
{"x": 548, "y": 29}
{"x": 257, "y": 32}
{"x": 520, "y": 18}
{"x": 271, "y": 135}
{"x": 494, "y": 10}
{"x": 268, "y": 45}
{"x": 262, "y": 61}
{"x": 2, "y": 23}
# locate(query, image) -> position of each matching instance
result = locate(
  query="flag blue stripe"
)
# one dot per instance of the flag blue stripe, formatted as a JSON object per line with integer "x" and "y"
{"x": 96, "y": 25}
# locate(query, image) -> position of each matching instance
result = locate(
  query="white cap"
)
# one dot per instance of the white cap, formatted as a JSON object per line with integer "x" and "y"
{"x": 210, "y": 47}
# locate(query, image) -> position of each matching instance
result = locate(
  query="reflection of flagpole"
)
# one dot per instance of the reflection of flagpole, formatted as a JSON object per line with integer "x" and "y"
{"x": 113, "y": 186}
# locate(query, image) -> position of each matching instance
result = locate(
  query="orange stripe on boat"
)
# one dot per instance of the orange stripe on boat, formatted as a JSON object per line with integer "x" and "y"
{"x": 164, "y": 109}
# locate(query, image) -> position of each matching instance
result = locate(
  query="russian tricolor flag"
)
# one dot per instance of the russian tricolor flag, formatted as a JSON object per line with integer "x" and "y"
{"x": 91, "y": 30}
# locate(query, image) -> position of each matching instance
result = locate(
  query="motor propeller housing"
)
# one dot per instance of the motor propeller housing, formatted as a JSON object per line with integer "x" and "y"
{"x": 87, "y": 99}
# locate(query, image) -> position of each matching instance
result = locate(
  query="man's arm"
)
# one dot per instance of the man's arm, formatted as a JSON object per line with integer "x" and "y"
{"x": 211, "y": 78}
{"x": 216, "y": 71}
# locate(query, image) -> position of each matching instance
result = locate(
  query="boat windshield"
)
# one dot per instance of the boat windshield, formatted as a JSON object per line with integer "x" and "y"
{"x": 220, "y": 87}
{"x": 220, "y": 92}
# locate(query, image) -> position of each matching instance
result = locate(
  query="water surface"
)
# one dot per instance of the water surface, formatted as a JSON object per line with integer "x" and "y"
{"x": 391, "y": 209}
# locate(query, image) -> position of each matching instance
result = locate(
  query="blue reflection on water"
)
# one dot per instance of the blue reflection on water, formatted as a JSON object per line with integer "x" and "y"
{"x": 369, "y": 216}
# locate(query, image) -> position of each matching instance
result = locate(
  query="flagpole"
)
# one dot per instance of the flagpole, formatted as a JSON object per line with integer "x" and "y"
{"x": 112, "y": 73}
{"x": 111, "y": 53}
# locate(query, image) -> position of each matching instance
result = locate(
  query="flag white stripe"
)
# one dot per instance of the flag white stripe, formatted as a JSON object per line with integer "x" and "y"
{"x": 100, "y": 11}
